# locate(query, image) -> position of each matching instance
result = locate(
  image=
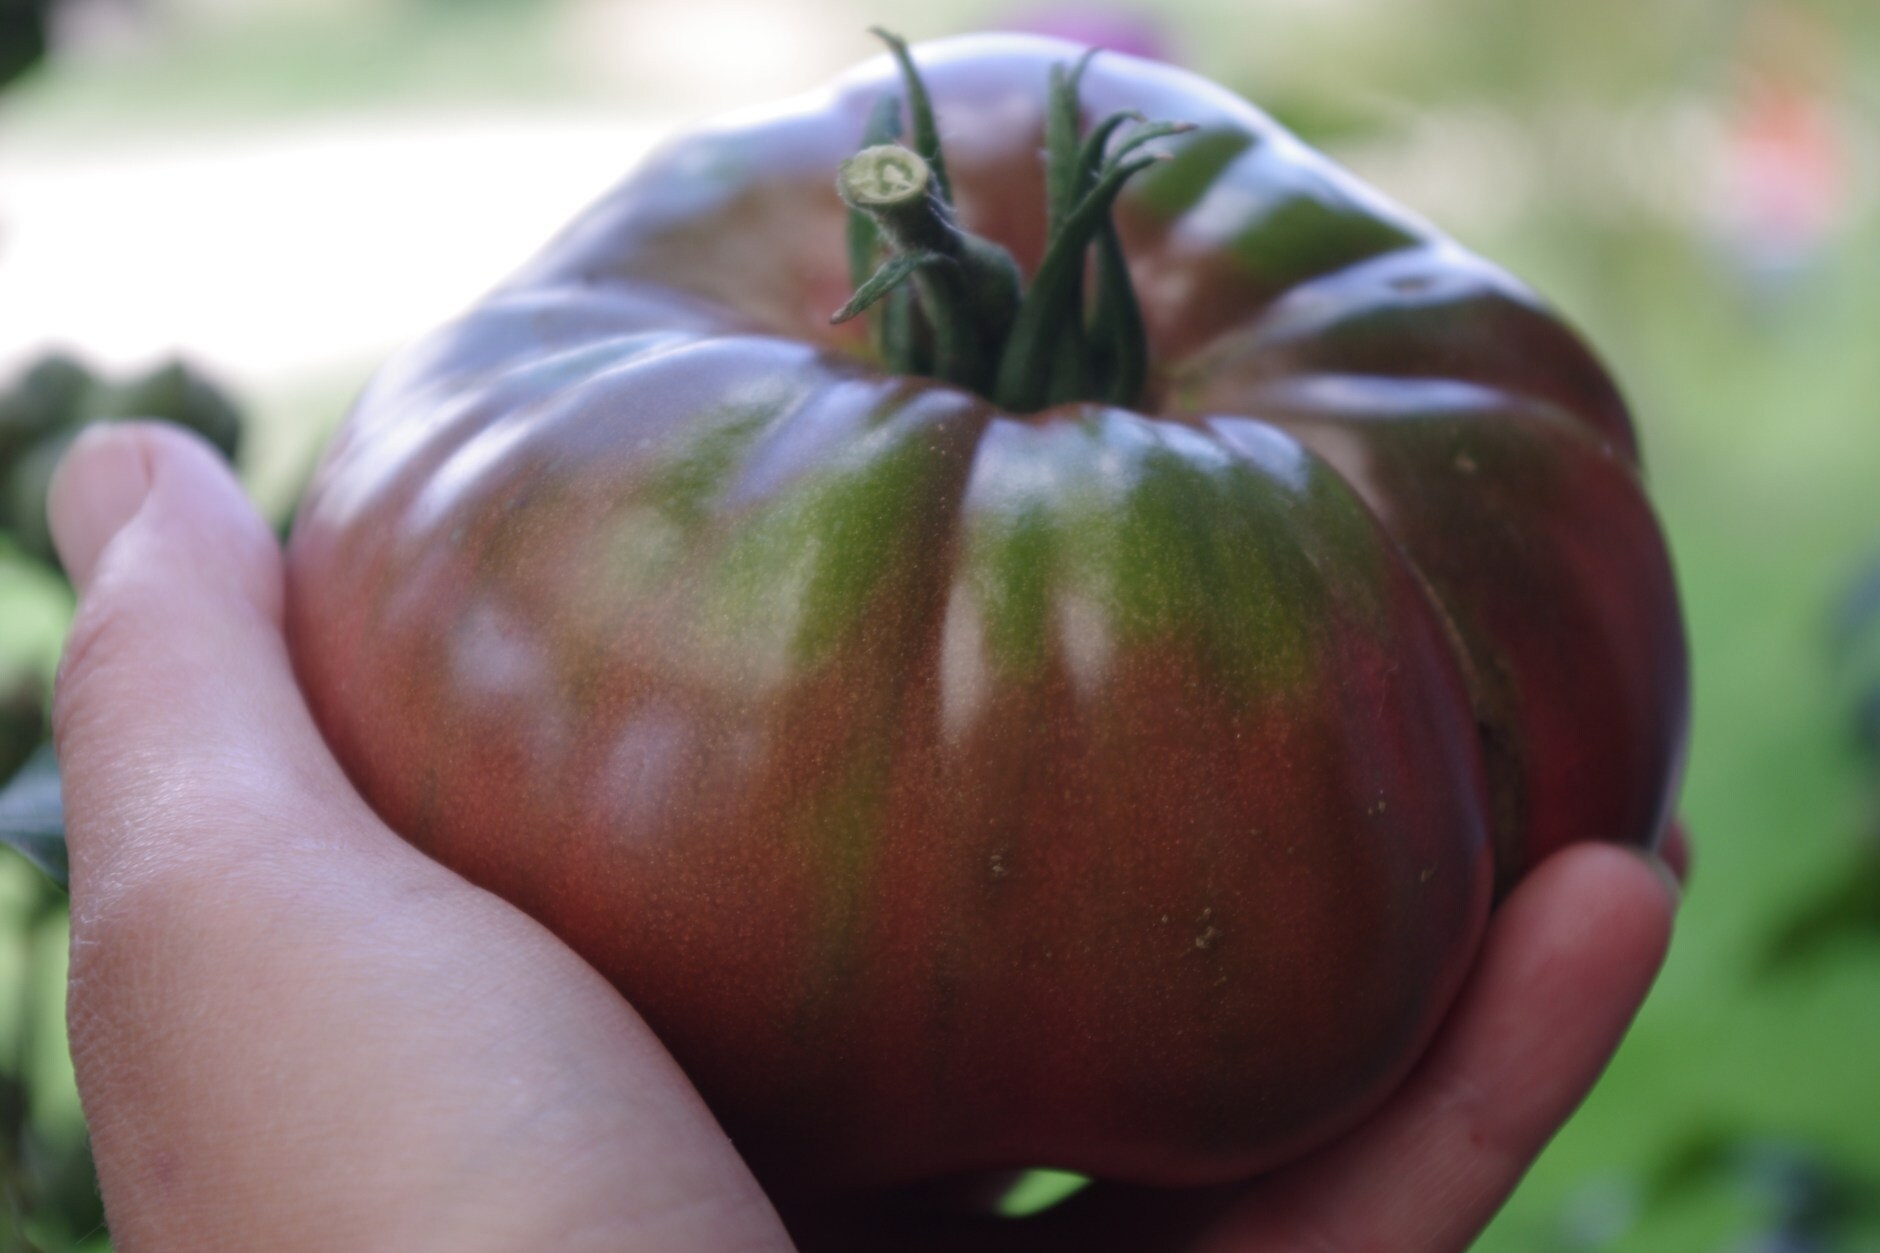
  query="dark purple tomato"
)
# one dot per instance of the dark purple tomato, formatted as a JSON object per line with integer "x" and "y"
{"x": 1118, "y": 788}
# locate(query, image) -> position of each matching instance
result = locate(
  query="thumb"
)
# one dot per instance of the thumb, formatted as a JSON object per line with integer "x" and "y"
{"x": 99, "y": 485}
{"x": 290, "y": 1029}
{"x": 175, "y": 681}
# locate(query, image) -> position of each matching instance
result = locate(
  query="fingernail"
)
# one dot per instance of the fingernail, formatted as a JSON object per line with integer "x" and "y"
{"x": 99, "y": 486}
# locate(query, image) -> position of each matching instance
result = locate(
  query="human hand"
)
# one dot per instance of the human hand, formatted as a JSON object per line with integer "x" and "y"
{"x": 292, "y": 1030}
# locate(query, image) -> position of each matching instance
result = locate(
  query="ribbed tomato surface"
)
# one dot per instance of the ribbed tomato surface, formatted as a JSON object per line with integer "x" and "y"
{"x": 951, "y": 789}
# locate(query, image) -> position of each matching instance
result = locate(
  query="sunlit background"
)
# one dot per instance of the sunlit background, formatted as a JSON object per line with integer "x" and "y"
{"x": 285, "y": 190}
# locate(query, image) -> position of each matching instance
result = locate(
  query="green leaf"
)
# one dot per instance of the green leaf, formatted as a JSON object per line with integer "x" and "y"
{"x": 1064, "y": 174}
{"x": 1088, "y": 161}
{"x": 1148, "y": 133}
{"x": 1039, "y": 1190}
{"x": 888, "y": 278}
{"x": 1024, "y": 382}
{"x": 1117, "y": 331}
{"x": 32, "y": 815}
{"x": 23, "y": 36}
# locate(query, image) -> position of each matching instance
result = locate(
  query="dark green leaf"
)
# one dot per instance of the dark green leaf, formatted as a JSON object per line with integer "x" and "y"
{"x": 175, "y": 391}
{"x": 1148, "y": 133}
{"x": 1088, "y": 161}
{"x": 1024, "y": 383}
{"x": 890, "y": 276}
{"x": 1064, "y": 175}
{"x": 32, "y": 814}
{"x": 22, "y": 36}
{"x": 1116, "y": 327}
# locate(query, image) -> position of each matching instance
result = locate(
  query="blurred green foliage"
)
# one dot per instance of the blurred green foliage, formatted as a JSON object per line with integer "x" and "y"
{"x": 57, "y": 397}
{"x": 23, "y": 36}
{"x": 1588, "y": 147}
{"x": 48, "y": 1194}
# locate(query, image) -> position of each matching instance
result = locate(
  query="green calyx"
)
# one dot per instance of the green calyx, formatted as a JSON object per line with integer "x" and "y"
{"x": 951, "y": 305}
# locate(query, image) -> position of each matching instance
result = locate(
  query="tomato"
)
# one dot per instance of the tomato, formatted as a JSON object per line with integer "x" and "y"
{"x": 1120, "y": 788}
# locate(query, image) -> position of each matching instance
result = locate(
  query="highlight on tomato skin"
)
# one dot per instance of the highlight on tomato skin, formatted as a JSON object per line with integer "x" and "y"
{"x": 1075, "y": 709}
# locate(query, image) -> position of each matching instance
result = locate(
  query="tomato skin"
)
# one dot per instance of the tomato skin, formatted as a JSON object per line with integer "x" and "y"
{"x": 955, "y": 790}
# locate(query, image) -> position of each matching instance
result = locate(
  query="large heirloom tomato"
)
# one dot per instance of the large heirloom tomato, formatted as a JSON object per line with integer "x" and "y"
{"x": 960, "y": 785}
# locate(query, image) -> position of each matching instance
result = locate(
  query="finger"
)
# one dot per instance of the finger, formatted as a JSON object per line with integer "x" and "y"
{"x": 175, "y": 679}
{"x": 290, "y": 1029}
{"x": 1567, "y": 962}
{"x": 1676, "y": 852}
{"x": 105, "y": 481}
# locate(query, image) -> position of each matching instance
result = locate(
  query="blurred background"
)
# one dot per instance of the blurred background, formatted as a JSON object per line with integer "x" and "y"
{"x": 229, "y": 211}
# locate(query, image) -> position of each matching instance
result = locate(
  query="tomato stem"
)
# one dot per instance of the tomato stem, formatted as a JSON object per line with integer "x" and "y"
{"x": 949, "y": 304}
{"x": 892, "y": 327}
{"x": 967, "y": 287}
{"x": 920, "y": 105}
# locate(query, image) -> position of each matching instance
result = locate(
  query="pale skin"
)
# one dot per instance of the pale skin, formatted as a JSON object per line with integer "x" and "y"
{"x": 293, "y": 1031}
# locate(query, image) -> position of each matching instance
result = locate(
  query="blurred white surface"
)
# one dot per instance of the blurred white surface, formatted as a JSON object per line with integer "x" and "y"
{"x": 287, "y": 252}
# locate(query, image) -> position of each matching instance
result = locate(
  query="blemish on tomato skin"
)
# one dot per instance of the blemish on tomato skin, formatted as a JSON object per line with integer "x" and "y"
{"x": 1207, "y": 934}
